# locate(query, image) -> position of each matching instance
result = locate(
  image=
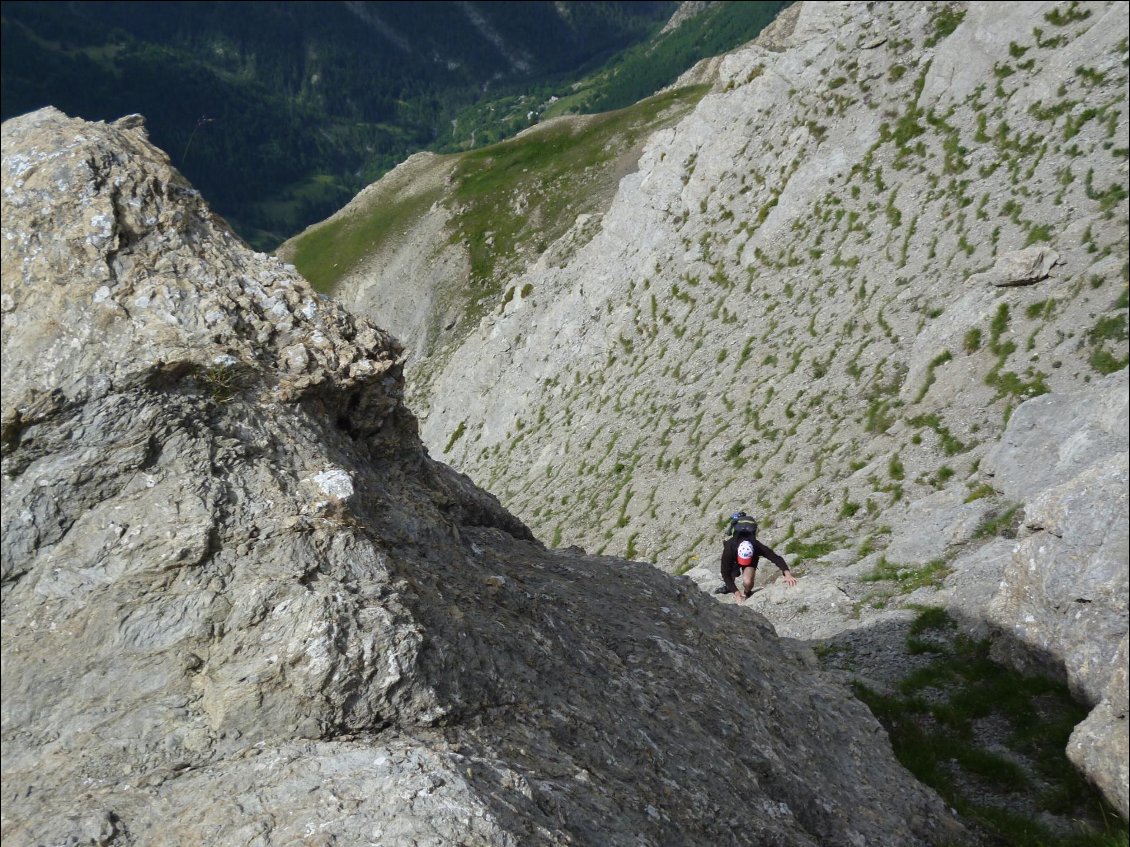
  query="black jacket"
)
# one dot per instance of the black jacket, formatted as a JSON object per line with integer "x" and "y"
{"x": 730, "y": 568}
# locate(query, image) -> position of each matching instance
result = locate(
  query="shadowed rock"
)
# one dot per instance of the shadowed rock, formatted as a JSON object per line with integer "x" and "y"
{"x": 1062, "y": 599}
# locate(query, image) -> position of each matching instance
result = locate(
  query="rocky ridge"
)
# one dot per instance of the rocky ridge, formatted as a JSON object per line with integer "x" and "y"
{"x": 242, "y": 605}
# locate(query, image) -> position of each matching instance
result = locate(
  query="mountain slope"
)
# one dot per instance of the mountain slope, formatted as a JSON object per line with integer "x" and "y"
{"x": 791, "y": 304}
{"x": 821, "y": 296}
{"x": 461, "y": 226}
{"x": 696, "y": 31}
{"x": 241, "y": 604}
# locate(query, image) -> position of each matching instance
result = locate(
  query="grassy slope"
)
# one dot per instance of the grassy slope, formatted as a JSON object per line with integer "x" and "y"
{"x": 550, "y": 167}
{"x": 560, "y": 170}
{"x": 939, "y": 716}
{"x": 327, "y": 252}
{"x": 626, "y": 78}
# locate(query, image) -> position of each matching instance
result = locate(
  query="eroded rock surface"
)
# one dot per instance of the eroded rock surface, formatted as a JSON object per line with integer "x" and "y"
{"x": 1062, "y": 601}
{"x": 242, "y": 605}
{"x": 1100, "y": 745}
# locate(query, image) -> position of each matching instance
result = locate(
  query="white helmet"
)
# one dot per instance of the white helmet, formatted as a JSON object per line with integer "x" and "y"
{"x": 745, "y": 554}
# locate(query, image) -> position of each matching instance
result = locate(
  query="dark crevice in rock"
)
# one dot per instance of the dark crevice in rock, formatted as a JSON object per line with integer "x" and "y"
{"x": 152, "y": 455}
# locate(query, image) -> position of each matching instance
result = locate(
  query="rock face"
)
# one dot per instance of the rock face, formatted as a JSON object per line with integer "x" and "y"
{"x": 820, "y": 296}
{"x": 1100, "y": 746}
{"x": 790, "y": 303}
{"x": 242, "y": 605}
{"x": 1063, "y": 596}
{"x": 1051, "y": 440}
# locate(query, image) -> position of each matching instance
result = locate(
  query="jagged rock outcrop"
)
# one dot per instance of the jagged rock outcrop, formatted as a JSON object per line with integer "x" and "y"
{"x": 1051, "y": 440}
{"x": 1063, "y": 596}
{"x": 242, "y": 605}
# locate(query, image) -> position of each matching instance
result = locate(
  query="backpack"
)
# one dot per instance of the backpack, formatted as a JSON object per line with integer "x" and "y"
{"x": 743, "y": 526}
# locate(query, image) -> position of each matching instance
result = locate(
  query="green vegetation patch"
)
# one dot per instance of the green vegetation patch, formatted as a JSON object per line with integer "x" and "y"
{"x": 909, "y": 577}
{"x": 944, "y": 21}
{"x": 979, "y": 491}
{"x": 650, "y": 66}
{"x": 222, "y": 383}
{"x": 1110, "y": 328}
{"x": 1107, "y": 198}
{"x": 1063, "y": 17}
{"x": 971, "y": 343}
{"x": 455, "y": 436}
{"x": 934, "y": 721}
{"x": 935, "y": 363}
{"x": 999, "y": 522}
{"x": 812, "y": 549}
{"x": 1008, "y": 383}
{"x": 949, "y": 443}
{"x": 328, "y": 252}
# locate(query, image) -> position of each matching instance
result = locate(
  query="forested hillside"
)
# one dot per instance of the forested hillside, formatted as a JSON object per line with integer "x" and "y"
{"x": 627, "y": 78}
{"x": 308, "y": 101}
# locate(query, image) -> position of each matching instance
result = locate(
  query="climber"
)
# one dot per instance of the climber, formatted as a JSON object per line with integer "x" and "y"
{"x": 740, "y": 552}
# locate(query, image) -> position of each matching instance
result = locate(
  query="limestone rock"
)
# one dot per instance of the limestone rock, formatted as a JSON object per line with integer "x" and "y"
{"x": 242, "y": 605}
{"x": 1051, "y": 439}
{"x": 1020, "y": 267}
{"x": 1062, "y": 601}
{"x": 687, "y": 10}
{"x": 1100, "y": 746}
{"x": 976, "y": 575}
{"x": 1064, "y": 594}
{"x": 819, "y": 608}
{"x": 933, "y": 524}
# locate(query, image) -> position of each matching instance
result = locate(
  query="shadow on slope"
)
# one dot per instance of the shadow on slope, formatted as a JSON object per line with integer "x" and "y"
{"x": 990, "y": 740}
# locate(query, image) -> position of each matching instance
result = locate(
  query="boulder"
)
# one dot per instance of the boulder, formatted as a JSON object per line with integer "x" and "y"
{"x": 1020, "y": 267}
